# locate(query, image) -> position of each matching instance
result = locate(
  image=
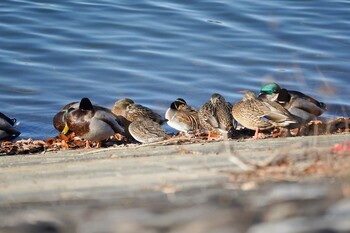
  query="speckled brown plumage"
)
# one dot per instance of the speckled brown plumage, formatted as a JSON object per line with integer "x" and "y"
{"x": 215, "y": 115}
{"x": 146, "y": 131}
{"x": 257, "y": 114}
{"x": 129, "y": 110}
{"x": 182, "y": 117}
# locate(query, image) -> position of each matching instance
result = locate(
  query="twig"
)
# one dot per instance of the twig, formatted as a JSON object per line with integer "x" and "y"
{"x": 167, "y": 141}
{"x": 235, "y": 159}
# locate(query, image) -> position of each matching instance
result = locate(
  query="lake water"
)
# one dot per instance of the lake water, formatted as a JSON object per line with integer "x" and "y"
{"x": 55, "y": 52}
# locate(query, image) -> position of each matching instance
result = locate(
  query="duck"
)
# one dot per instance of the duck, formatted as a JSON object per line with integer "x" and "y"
{"x": 146, "y": 130}
{"x": 182, "y": 117}
{"x": 127, "y": 109}
{"x": 7, "y": 129}
{"x": 297, "y": 103}
{"x": 261, "y": 114}
{"x": 215, "y": 116}
{"x": 92, "y": 122}
{"x": 60, "y": 119}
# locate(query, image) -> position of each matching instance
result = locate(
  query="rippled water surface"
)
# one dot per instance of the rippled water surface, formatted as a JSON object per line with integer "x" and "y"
{"x": 55, "y": 52}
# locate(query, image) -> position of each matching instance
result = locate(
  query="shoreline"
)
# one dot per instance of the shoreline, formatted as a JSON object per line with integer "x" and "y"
{"x": 63, "y": 142}
{"x": 219, "y": 156}
{"x": 125, "y": 183}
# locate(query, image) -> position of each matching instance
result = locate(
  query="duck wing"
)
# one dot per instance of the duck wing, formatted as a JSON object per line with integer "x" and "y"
{"x": 147, "y": 131}
{"x": 307, "y": 103}
{"x": 224, "y": 116}
{"x": 108, "y": 117}
{"x": 136, "y": 111}
{"x": 207, "y": 116}
{"x": 277, "y": 114}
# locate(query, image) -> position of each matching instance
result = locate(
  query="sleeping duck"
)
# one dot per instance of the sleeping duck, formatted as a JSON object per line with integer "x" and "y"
{"x": 215, "y": 116}
{"x": 60, "y": 119}
{"x": 182, "y": 117}
{"x": 7, "y": 131}
{"x": 145, "y": 130}
{"x": 92, "y": 122}
{"x": 130, "y": 111}
{"x": 258, "y": 114}
{"x": 297, "y": 103}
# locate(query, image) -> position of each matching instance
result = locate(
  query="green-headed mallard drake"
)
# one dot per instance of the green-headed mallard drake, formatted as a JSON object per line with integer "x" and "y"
{"x": 215, "y": 115}
{"x": 146, "y": 131}
{"x": 7, "y": 129}
{"x": 182, "y": 117}
{"x": 257, "y": 114}
{"x": 60, "y": 119}
{"x": 92, "y": 122}
{"x": 297, "y": 103}
{"x": 130, "y": 111}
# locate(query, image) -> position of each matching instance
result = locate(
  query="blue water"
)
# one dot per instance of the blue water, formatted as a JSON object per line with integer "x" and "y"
{"x": 55, "y": 52}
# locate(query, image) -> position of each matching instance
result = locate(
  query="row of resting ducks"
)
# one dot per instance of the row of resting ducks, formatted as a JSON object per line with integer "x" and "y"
{"x": 275, "y": 107}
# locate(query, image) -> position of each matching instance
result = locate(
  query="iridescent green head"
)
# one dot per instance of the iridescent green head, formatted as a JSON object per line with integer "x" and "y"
{"x": 270, "y": 88}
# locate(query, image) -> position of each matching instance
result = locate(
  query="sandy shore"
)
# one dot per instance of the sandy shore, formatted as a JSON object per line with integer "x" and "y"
{"x": 226, "y": 186}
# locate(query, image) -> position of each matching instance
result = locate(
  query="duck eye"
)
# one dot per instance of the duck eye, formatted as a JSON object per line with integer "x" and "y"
{"x": 273, "y": 88}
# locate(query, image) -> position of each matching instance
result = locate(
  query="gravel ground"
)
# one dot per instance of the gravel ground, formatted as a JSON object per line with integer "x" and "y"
{"x": 296, "y": 184}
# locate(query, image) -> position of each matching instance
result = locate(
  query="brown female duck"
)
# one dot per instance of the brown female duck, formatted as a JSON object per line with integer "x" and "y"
{"x": 215, "y": 115}
{"x": 256, "y": 114}
{"x": 182, "y": 117}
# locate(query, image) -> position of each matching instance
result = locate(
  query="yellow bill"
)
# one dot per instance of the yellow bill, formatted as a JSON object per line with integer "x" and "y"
{"x": 66, "y": 129}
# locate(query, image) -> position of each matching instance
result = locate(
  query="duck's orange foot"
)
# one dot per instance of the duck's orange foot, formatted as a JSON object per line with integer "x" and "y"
{"x": 276, "y": 133}
{"x": 213, "y": 136}
{"x": 87, "y": 144}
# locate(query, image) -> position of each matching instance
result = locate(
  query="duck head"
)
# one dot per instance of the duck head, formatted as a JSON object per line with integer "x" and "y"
{"x": 248, "y": 95}
{"x": 120, "y": 107}
{"x": 217, "y": 99}
{"x": 84, "y": 105}
{"x": 178, "y": 104}
{"x": 272, "y": 92}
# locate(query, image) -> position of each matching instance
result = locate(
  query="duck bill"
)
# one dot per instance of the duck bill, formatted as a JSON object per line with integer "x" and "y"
{"x": 66, "y": 129}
